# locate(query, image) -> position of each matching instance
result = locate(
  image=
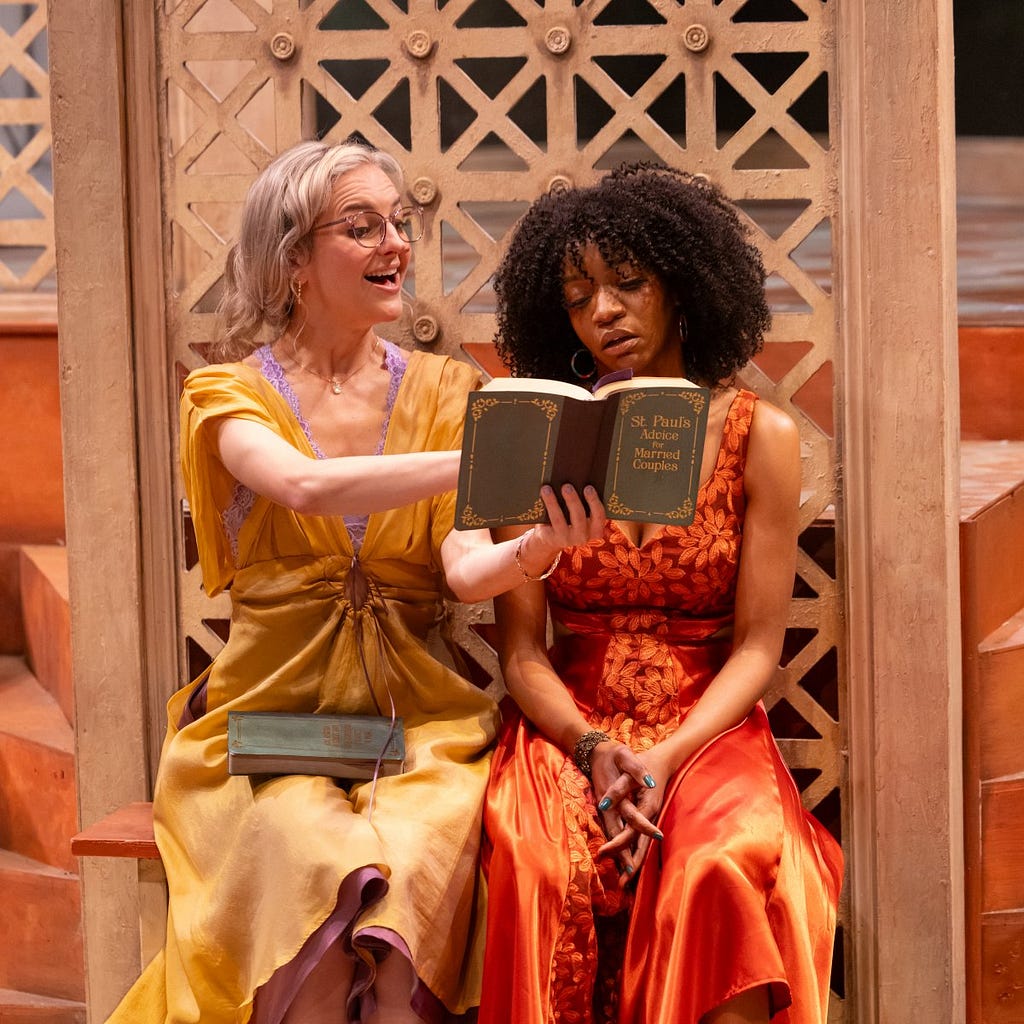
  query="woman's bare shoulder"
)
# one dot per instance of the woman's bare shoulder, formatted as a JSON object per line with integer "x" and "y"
{"x": 770, "y": 423}
{"x": 773, "y": 455}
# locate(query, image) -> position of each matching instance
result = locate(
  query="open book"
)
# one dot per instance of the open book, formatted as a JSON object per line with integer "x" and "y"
{"x": 639, "y": 441}
{"x": 340, "y": 746}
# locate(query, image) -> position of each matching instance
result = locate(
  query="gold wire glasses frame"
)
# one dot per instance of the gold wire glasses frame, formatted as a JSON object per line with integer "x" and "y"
{"x": 369, "y": 228}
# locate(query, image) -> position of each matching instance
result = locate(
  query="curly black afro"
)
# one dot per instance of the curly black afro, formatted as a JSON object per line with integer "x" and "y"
{"x": 663, "y": 221}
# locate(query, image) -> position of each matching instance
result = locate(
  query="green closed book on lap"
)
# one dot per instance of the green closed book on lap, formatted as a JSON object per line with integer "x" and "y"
{"x": 340, "y": 746}
{"x": 639, "y": 441}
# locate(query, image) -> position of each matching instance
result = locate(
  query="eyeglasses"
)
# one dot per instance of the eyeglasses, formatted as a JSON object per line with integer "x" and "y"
{"x": 369, "y": 228}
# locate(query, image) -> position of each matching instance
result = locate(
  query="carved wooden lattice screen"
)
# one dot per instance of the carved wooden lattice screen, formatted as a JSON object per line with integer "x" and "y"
{"x": 487, "y": 103}
{"x": 26, "y": 179}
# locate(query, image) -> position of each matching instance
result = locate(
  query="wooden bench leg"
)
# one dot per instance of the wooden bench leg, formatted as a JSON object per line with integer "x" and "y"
{"x": 152, "y": 909}
{"x": 127, "y": 834}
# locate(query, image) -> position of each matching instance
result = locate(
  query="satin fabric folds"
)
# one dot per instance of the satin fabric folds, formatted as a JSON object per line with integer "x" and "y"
{"x": 743, "y": 890}
{"x": 262, "y": 874}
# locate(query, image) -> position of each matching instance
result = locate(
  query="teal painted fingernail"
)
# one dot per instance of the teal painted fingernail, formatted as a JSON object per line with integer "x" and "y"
{"x": 649, "y": 781}
{"x": 658, "y": 835}
{"x": 629, "y": 869}
{"x": 605, "y": 804}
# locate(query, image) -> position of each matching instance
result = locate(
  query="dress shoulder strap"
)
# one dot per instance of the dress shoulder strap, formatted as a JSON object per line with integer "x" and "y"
{"x": 736, "y": 432}
{"x": 740, "y": 416}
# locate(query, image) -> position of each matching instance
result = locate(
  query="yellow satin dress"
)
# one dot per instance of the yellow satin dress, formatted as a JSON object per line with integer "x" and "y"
{"x": 254, "y": 869}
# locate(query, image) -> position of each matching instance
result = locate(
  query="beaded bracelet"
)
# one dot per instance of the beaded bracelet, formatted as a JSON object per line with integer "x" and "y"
{"x": 584, "y": 749}
{"x": 519, "y": 561}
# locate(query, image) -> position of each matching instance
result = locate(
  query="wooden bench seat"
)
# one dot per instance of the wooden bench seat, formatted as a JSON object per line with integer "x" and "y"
{"x": 126, "y": 832}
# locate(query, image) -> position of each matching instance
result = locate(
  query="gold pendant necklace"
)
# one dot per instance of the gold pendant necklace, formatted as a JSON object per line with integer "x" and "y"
{"x": 335, "y": 381}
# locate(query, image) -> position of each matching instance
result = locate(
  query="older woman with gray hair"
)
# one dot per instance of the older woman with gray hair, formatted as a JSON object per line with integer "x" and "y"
{"x": 319, "y": 462}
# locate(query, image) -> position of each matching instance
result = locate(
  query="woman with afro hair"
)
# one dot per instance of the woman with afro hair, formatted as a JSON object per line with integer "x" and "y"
{"x": 649, "y": 860}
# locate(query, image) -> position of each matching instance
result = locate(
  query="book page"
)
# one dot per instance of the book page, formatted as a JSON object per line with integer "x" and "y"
{"x": 643, "y": 382}
{"x": 538, "y": 385}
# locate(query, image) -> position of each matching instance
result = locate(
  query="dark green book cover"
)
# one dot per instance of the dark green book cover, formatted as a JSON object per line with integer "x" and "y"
{"x": 341, "y": 746}
{"x": 639, "y": 442}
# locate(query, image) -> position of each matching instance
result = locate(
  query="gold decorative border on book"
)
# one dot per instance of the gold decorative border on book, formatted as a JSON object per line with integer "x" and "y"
{"x": 481, "y": 405}
{"x": 471, "y": 520}
{"x": 546, "y": 406}
{"x": 614, "y": 505}
{"x": 629, "y": 400}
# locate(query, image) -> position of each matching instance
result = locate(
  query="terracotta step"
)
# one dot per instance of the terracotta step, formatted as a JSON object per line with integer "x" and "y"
{"x": 991, "y": 534}
{"x": 31, "y": 478}
{"x": 991, "y": 374}
{"x": 40, "y": 929}
{"x": 1002, "y": 839}
{"x": 1002, "y": 968}
{"x": 1001, "y": 691}
{"x": 39, "y": 807}
{"x": 29, "y": 1008}
{"x": 12, "y": 634}
{"x": 46, "y": 615}
{"x": 1008, "y": 637}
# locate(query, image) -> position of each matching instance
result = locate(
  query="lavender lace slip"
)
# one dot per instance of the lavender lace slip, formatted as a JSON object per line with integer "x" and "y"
{"x": 243, "y": 498}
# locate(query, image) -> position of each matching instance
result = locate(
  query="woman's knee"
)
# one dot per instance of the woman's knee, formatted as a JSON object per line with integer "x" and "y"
{"x": 749, "y": 1007}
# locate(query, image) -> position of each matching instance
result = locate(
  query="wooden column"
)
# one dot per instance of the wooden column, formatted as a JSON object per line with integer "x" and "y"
{"x": 100, "y": 457}
{"x": 900, "y": 507}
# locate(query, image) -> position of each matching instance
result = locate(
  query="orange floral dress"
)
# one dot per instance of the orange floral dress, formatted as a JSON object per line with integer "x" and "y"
{"x": 742, "y": 891}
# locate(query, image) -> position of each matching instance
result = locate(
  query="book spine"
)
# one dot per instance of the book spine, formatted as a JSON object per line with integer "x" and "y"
{"x": 602, "y": 470}
{"x": 313, "y": 735}
{"x": 578, "y": 438}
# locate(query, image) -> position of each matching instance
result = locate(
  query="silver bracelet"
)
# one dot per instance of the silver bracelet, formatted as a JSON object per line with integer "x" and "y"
{"x": 519, "y": 561}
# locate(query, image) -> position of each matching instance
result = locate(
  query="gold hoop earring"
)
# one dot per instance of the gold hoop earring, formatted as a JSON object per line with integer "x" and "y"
{"x": 583, "y": 371}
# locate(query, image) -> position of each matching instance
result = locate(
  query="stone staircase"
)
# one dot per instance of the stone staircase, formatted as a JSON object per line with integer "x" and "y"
{"x": 42, "y": 974}
{"x": 992, "y": 617}
{"x": 992, "y": 602}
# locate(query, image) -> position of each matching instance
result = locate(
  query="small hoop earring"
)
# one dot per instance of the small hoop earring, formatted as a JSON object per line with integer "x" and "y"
{"x": 586, "y": 371}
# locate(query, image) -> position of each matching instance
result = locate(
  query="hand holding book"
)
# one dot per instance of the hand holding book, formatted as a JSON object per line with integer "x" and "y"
{"x": 570, "y": 523}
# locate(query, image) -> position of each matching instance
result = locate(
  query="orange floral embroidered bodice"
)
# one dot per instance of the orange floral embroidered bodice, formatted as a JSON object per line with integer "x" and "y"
{"x": 643, "y": 604}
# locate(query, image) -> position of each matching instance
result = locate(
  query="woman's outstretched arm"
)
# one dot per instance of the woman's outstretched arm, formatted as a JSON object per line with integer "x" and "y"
{"x": 477, "y": 569}
{"x": 350, "y": 485}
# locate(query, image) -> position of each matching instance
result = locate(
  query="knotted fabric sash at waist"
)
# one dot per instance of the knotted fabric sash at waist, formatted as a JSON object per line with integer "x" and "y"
{"x": 291, "y": 605}
{"x": 665, "y": 624}
{"x": 383, "y": 586}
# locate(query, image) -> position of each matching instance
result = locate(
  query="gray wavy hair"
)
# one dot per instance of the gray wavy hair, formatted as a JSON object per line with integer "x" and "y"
{"x": 276, "y": 234}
